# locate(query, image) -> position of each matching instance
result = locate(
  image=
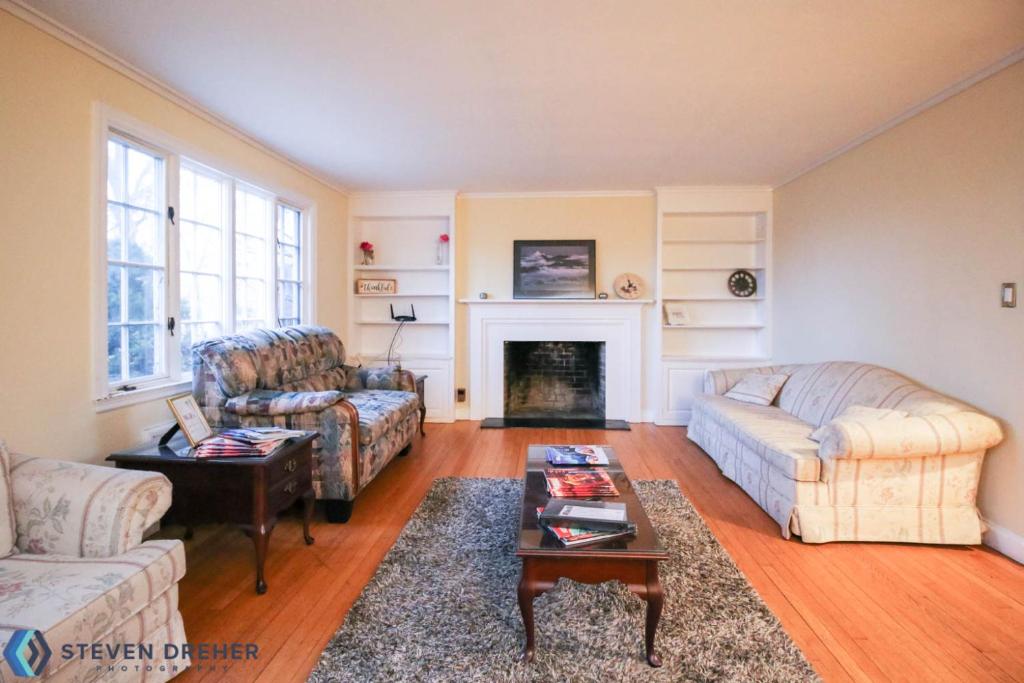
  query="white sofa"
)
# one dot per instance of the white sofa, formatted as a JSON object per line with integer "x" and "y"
{"x": 912, "y": 479}
{"x": 80, "y": 573}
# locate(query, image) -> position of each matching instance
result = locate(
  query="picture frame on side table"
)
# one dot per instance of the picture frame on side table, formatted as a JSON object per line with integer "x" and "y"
{"x": 554, "y": 269}
{"x": 190, "y": 419}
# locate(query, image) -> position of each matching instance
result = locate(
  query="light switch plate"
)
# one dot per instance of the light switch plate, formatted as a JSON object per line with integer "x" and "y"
{"x": 1009, "y": 298}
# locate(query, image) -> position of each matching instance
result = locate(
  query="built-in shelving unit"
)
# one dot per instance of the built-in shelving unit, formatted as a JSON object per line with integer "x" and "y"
{"x": 405, "y": 228}
{"x": 704, "y": 235}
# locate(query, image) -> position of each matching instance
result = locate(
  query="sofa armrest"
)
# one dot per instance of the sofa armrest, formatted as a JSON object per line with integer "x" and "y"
{"x": 910, "y": 437}
{"x": 68, "y": 508}
{"x": 718, "y": 382}
{"x": 391, "y": 377}
{"x": 282, "y": 402}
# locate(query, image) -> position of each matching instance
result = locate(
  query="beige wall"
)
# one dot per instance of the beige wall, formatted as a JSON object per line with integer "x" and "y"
{"x": 894, "y": 253}
{"x": 624, "y": 227}
{"x": 47, "y": 90}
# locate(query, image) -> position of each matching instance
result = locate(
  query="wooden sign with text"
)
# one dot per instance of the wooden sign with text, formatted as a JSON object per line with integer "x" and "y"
{"x": 376, "y": 286}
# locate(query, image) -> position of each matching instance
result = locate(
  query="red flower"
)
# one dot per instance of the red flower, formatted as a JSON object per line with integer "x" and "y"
{"x": 366, "y": 246}
{"x": 444, "y": 237}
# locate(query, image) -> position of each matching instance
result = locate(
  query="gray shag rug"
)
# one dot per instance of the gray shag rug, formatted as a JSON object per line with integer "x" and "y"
{"x": 442, "y": 605}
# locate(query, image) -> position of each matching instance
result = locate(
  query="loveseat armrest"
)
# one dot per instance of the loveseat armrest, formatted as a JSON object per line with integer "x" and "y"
{"x": 268, "y": 403}
{"x": 910, "y": 437}
{"x": 69, "y": 508}
{"x": 391, "y": 377}
{"x": 718, "y": 382}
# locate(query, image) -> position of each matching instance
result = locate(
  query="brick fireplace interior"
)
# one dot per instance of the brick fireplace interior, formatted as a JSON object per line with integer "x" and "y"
{"x": 554, "y": 380}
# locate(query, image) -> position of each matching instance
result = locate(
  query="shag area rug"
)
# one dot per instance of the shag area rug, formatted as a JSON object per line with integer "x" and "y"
{"x": 442, "y": 605}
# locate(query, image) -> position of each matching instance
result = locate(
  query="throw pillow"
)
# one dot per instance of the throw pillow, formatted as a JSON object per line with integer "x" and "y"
{"x": 7, "y": 528}
{"x": 859, "y": 414}
{"x": 757, "y": 389}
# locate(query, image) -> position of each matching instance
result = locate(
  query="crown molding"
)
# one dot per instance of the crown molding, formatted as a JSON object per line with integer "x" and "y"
{"x": 703, "y": 189}
{"x": 55, "y": 29}
{"x": 938, "y": 98}
{"x": 557, "y": 194}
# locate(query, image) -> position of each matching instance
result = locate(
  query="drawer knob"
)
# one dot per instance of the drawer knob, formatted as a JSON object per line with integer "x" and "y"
{"x": 290, "y": 487}
{"x": 290, "y": 466}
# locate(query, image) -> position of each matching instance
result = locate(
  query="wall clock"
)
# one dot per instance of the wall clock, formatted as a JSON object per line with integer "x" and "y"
{"x": 629, "y": 286}
{"x": 742, "y": 283}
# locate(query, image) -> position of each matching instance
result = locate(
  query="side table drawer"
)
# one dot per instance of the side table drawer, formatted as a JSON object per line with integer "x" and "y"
{"x": 287, "y": 467}
{"x": 289, "y": 489}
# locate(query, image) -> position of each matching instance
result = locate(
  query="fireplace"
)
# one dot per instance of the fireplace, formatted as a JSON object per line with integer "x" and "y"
{"x": 554, "y": 383}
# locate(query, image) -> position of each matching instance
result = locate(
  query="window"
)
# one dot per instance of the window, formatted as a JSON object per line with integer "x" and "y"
{"x": 136, "y": 263}
{"x": 191, "y": 253}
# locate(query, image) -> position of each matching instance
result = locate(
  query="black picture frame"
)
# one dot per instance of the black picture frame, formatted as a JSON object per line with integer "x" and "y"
{"x": 531, "y": 258}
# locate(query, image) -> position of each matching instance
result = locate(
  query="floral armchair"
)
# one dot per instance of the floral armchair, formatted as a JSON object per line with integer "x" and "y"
{"x": 296, "y": 377}
{"x": 79, "y": 571}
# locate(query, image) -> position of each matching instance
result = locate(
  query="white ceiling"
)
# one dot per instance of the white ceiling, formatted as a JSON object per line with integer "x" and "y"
{"x": 480, "y": 95}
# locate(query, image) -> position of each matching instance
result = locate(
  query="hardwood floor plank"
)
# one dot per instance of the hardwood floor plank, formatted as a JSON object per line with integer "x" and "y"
{"x": 858, "y": 611}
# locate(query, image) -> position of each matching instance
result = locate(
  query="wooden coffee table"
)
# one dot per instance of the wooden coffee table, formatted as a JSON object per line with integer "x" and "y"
{"x": 633, "y": 560}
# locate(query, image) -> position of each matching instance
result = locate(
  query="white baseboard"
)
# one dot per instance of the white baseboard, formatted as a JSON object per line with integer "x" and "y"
{"x": 1002, "y": 540}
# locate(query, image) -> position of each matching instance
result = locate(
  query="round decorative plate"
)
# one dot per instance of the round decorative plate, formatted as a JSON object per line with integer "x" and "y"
{"x": 629, "y": 286}
{"x": 742, "y": 283}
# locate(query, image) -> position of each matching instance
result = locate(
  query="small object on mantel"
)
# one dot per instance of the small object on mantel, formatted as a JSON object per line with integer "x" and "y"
{"x": 483, "y": 295}
{"x": 629, "y": 286}
{"x": 602, "y": 295}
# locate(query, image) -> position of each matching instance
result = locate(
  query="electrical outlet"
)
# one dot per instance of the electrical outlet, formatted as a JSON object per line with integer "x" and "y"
{"x": 154, "y": 432}
{"x": 460, "y": 395}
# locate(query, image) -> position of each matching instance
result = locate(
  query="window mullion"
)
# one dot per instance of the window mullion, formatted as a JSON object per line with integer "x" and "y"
{"x": 230, "y": 314}
{"x": 173, "y": 350}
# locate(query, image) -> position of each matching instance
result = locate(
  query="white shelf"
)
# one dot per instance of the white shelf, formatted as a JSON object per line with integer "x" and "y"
{"x": 692, "y": 241}
{"x": 401, "y": 269}
{"x": 716, "y": 326}
{"x": 715, "y": 299}
{"x": 711, "y": 268}
{"x": 399, "y": 296}
{"x": 441, "y": 323}
{"x": 711, "y": 358}
{"x": 603, "y": 302}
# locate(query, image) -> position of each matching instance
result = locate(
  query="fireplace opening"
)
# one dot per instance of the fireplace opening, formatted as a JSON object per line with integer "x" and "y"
{"x": 554, "y": 381}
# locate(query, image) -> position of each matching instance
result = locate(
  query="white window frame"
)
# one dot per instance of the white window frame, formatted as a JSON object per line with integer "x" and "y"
{"x": 108, "y": 121}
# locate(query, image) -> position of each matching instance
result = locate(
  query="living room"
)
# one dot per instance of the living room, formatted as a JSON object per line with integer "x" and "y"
{"x": 314, "y": 303}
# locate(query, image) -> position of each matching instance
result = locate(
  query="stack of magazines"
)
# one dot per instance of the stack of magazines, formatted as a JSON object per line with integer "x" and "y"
{"x": 578, "y": 456}
{"x": 579, "y": 482}
{"x": 245, "y": 442}
{"x": 580, "y": 522}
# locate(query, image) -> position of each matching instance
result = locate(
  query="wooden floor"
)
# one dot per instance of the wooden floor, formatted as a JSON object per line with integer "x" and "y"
{"x": 858, "y": 611}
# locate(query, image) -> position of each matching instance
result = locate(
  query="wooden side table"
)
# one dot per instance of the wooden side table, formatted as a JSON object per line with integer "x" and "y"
{"x": 249, "y": 492}
{"x": 420, "y": 380}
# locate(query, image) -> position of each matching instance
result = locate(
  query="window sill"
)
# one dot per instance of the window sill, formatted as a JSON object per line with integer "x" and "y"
{"x": 131, "y": 398}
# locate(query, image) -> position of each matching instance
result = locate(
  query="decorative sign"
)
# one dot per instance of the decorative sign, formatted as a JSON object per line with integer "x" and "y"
{"x": 190, "y": 418}
{"x": 676, "y": 314}
{"x": 376, "y": 286}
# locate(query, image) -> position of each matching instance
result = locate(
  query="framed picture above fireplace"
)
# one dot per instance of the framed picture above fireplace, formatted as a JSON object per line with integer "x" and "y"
{"x": 554, "y": 269}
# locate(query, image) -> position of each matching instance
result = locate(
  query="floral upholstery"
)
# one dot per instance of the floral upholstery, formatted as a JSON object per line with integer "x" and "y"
{"x": 909, "y": 479}
{"x": 8, "y": 531}
{"x": 296, "y": 377}
{"x": 82, "y": 573}
{"x": 281, "y": 402}
{"x": 67, "y": 508}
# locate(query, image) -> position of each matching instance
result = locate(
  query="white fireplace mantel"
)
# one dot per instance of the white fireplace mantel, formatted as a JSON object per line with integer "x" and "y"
{"x": 616, "y": 322}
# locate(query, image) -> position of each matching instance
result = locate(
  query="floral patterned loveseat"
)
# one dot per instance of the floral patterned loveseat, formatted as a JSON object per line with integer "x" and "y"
{"x": 296, "y": 377}
{"x": 80, "y": 573}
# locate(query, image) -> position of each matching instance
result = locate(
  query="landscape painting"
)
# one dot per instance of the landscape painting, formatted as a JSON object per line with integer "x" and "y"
{"x": 554, "y": 269}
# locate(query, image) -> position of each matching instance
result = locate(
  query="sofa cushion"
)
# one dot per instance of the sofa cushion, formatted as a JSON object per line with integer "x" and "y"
{"x": 780, "y": 438}
{"x": 381, "y": 410}
{"x": 263, "y": 402}
{"x": 8, "y": 534}
{"x": 79, "y": 600}
{"x": 859, "y": 413}
{"x": 757, "y": 389}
